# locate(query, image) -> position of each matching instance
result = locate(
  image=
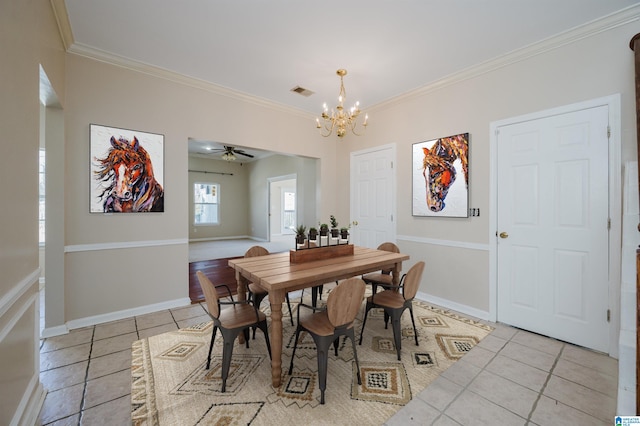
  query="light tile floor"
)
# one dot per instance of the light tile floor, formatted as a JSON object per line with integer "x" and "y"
{"x": 511, "y": 378}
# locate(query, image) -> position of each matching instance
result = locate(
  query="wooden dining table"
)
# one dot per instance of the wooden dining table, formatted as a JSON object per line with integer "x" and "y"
{"x": 276, "y": 274}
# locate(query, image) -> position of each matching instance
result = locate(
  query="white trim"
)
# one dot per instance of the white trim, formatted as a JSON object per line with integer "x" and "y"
{"x": 15, "y": 317}
{"x": 54, "y": 331}
{"x": 123, "y": 244}
{"x": 9, "y": 299}
{"x": 233, "y": 237}
{"x": 448, "y": 304}
{"x": 155, "y": 71}
{"x": 31, "y": 403}
{"x": 445, "y": 243}
{"x": 609, "y": 22}
{"x": 126, "y": 313}
{"x": 615, "y": 203}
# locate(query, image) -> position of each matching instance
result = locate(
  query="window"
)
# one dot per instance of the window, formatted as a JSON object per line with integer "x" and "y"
{"x": 289, "y": 211}
{"x": 206, "y": 203}
{"x": 41, "y": 181}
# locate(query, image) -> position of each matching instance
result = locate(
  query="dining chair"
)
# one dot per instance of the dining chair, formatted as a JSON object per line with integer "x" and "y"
{"x": 326, "y": 325}
{"x": 231, "y": 321}
{"x": 382, "y": 278}
{"x": 257, "y": 293}
{"x": 394, "y": 302}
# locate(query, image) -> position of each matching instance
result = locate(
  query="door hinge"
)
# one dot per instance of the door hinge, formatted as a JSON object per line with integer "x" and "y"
{"x": 609, "y": 224}
{"x": 392, "y": 164}
{"x": 608, "y": 132}
{"x": 391, "y": 218}
{"x": 608, "y": 315}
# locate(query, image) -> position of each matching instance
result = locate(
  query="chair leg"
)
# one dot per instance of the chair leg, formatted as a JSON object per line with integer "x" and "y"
{"x": 352, "y": 336}
{"x": 263, "y": 326}
{"x": 289, "y": 306}
{"x": 213, "y": 338}
{"x": 397, "y": 333}
{"x": 295, "y": 345}
{"x": 245, "y": 333}
{"x": 415, "y": 331}
{"x": 227, "y": 353}
{"x": 323, "y": 344}
{"x": 364, "y": 321}
{"x": 257, "y": 300}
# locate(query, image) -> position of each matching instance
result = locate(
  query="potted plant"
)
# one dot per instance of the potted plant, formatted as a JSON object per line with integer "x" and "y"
{"x": 324, "y": 229}
{"x": 300, "y": 234}
{"x": 313, "y": 233}
{"x": 334, "y": 226}
{"x": 344, "y": 233}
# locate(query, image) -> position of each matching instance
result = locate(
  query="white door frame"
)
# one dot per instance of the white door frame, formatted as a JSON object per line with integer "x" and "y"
{"x": 615, "y": 205}
{"x": 270, "y": 180}
{"x": 394, "y": 179}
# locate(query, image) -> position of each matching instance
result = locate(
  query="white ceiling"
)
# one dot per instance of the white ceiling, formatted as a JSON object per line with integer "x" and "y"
{"x": 264, "y": 48}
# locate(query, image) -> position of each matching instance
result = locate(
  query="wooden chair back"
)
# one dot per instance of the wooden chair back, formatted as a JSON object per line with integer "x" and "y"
{"x": 412, "y": 280}
{"x": 256, "y": 251}
{"x": 390, "y": 247}
{"x": 344, "y": 301}
{"x": 210, "y": 294}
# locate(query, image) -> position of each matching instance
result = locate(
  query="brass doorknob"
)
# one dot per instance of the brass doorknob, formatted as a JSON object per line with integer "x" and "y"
{"x": 504, "y": 235}
{"x": 355, "y": 223}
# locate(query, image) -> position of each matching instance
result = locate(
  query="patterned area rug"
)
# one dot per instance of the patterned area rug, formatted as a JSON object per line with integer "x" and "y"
{"x": 170, "y": 385}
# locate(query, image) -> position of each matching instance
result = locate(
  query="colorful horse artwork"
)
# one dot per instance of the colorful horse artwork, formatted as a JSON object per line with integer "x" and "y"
{"x": 438, "y": 169}
{"x": 127, "y": 173}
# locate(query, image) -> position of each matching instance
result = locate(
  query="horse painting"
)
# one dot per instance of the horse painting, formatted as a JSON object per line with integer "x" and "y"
{"x": 439, "y": 171}
{"x": 126, "y": 173}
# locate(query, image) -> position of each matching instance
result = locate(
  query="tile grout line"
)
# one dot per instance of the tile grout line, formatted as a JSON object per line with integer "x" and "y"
{"x": 86, "y": 377}
{"x": 546, "y": 382}
{"x": 442, "y": 412}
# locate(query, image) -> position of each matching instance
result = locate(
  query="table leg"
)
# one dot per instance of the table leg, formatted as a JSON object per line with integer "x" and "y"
{"x": 276, "y": 298}
{"x": 242, "y": 284}
{"x": 395, "y": 273}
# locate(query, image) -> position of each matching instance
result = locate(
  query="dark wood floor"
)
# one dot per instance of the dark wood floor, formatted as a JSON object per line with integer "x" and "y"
{"x": 217, "y": 270}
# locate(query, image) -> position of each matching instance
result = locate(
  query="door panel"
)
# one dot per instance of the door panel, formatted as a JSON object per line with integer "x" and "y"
{"x": 552, "y": 220}
{"x": 372, "y": 199}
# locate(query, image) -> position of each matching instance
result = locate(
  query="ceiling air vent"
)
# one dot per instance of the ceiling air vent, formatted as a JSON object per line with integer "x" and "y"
{"x": 302, "y": 91}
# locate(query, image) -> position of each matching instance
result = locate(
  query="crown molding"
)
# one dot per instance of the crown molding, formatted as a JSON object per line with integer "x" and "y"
{"x": 152, "y": 70}
{"x": 64, "y": 26}
{"x": 600, "y": 25}
{"x": 606, "y": 23}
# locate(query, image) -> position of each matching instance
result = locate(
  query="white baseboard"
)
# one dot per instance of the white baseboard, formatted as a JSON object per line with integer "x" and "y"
{"x": 233, "y": 237}
{"x": 126, "y": 313}
{"x": 445, "y": 303}
{"x": 54, "y": 331}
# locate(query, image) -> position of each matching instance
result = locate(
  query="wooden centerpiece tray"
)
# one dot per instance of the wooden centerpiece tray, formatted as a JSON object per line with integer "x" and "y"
{"x": 318, "y": 253}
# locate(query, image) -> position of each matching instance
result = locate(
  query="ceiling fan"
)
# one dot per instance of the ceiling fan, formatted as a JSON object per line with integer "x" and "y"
{"x": 229, "y": 153}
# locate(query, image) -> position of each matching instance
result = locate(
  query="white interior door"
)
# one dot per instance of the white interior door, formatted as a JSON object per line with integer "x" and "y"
{"x": 373, "y": 196}
{"x": 553, "y": 212}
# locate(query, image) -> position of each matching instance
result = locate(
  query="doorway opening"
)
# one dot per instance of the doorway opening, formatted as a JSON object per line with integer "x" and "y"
{"x": 283, "y": 209}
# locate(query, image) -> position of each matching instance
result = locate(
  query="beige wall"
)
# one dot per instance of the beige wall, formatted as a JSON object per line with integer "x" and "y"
{"x": 234, "y": 202}
{"x": 593, "y": 67}
{"x": 272, "y": 167}
{"x": 29, "y": 38}
{"x": 115, "y": 264}
{"x": 156, "y": 259}
{"x": 243, "y": 196}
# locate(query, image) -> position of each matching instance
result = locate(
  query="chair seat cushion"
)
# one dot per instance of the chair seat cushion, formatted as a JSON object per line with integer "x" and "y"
{"x": 241, "y": 315}
{"x": 256, "y": 289}
{"x": 388, "y": 299}
{"x": 378, "y": 278}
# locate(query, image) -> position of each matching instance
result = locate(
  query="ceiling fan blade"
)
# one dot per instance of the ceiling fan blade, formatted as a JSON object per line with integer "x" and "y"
{"x": 243, "y": 153}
